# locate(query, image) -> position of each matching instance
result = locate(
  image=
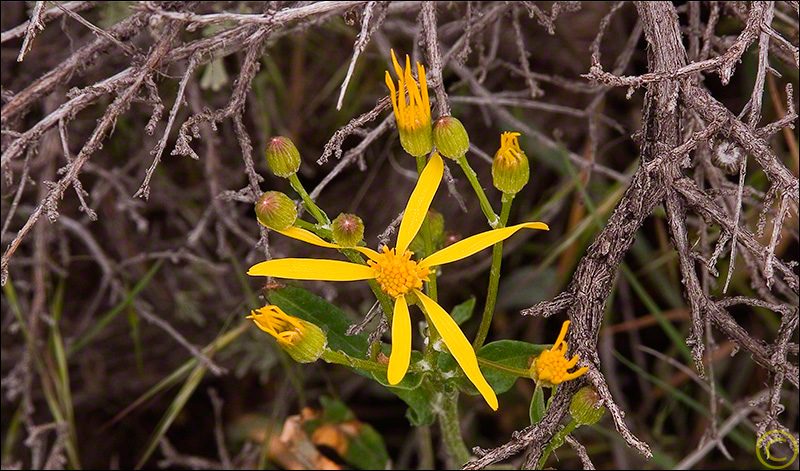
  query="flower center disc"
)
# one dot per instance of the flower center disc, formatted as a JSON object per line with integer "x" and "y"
{"x": 397, "y": 275}
{"x": 551, "y": 366}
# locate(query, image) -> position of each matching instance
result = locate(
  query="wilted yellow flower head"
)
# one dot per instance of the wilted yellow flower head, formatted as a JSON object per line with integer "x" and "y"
{"x": 414, "y": 116}
{"x": 550, "y": 367}
{"x": 303, "y": 340}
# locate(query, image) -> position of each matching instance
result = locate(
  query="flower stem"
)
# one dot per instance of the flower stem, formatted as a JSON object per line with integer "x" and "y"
{"x": 494, "y": 277}
{"x": 557, "y": 441}
{"x": 486, "y": 207}
{"x": 315, "y": 228}
{"x": 426, "y": 235}
{"x": 309, "y": 204}
{"x": 433, "y": 334}
{"x": 341, "y": 358}
{"x": 457, "y": 452}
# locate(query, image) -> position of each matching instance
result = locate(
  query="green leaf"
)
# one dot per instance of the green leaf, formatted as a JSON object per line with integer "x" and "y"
{"x": 463, "y": 312}
{"x": 537, "y": 405}
{"x": 511, "y": 353}
{"x": 409, "y": 381}
{"x": 307, "y": 306}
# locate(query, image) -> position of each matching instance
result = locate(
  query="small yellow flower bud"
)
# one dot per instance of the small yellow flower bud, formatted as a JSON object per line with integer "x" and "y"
{"x": 276, "y": 210}
{"x": 302, "y": 340}
{"x": 348, "y": 230}
{"x": 450, "y": 137}
{"x": 510, "y": 171}
{"x": 586, "y": 406}
{"x": 283, "y": 157}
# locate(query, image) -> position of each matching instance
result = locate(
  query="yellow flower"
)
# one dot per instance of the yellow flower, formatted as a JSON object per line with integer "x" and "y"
{"x": 398, "y": 275}
{"x": 510, "y": 171}
{"x": 413, "y": 118}
{"x": 550, "y": 367}
{"x": 304, "y": 341}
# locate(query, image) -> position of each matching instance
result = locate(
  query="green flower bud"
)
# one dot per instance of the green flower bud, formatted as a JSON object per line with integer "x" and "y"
{"x": 437, "y": 234}
{"x": 450, "y": 137}
{"x": 586, "y": 406}
{"x": 283, "y": 157}
{"x": 276, "y": 210}
{"x": 417, "y": 142}
{"x": 510, "y": 171}
{"x": 303, "y": 341}
{"x": 348, "y": 230}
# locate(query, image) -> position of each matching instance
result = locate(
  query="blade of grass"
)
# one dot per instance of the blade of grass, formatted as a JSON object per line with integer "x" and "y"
{"x": 110, "y": 315}
{"x": 187, "y": 389}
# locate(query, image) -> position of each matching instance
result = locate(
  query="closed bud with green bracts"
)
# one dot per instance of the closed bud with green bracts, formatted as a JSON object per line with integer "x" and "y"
{"x": 348, "y": 230}
{"x": 450, "y": 137}
{"x": 303, "y": 341}
{"x": 586, "y": 406}
{"x": 510, "y": 171}
{"x": 276, "y": 210}
{"x": 283, "y": 157}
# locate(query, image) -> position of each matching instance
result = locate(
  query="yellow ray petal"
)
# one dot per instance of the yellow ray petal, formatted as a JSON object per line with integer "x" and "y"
{"x": 312, "y": 269}
{"x": 397, "y": 68}
{"x": 401, "y": 342}
{"x": 419, "y": 202}
{"x": 572, "y": 362}
{"x": 413, "y": 92}
{"x": 423, "y": 85}
{"x": 476, "y": 243}
{"x": 392, "y": 91}
{"x": 561, "y": 335}
{"x": 577, "y": 373}
{"x": 313, "y": 239}
{"x": 459, "y": 347}
{"x": 306, "y": 236}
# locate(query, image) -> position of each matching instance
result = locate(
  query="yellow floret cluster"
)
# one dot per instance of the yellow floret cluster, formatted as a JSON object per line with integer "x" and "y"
{"x": 398, "y": 274}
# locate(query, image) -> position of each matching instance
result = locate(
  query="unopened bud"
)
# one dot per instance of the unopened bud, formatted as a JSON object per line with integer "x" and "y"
{"x": 283, "y": 157}
{"x": 276, "y": 210}
{"x": 450, "y": 137}
{"x": 348, "y": 230}
{"x": 586, "y": 406}
{"x": 303, "y": 341}
{"x": 510, "y": 171}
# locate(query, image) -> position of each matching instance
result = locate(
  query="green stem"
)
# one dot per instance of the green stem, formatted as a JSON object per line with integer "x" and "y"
{"x": 557, "y": 441}
{"x": 309, "y": 204}
{"x": 315, "y": 228}
{"x": 518, "y": 372}
{"x": 494, "y": 277}
{"x": 433, "y": 334}
{"x": 486, "y": 207}
{"x": 341, "y": 358}
{"x": 457, "y": 451}
{"x": 426, "y": 455}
